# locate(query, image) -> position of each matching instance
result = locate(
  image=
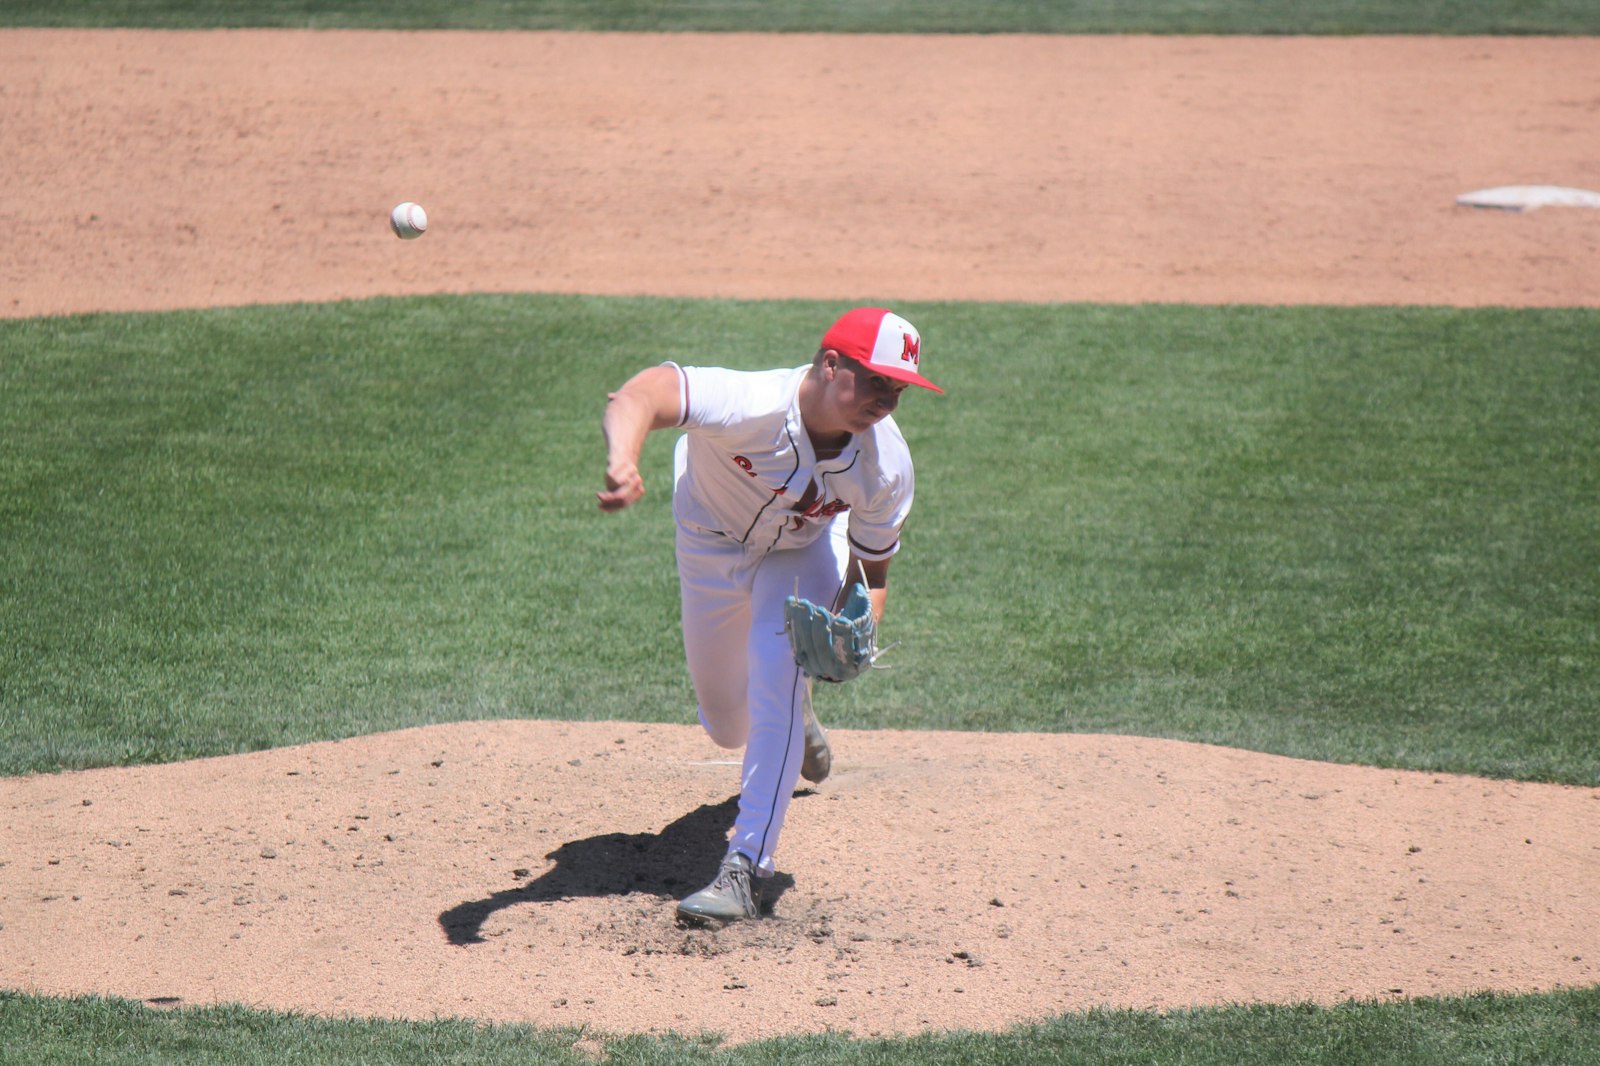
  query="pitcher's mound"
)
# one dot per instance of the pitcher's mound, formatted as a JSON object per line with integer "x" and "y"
{"x": 526, "y": 871}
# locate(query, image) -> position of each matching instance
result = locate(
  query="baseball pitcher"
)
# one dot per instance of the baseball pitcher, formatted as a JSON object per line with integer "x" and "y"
{"x": 790, "y": 490}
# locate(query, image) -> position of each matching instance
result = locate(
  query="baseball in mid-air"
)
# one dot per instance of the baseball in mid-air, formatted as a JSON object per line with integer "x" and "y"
{"x": 408, "y": 220}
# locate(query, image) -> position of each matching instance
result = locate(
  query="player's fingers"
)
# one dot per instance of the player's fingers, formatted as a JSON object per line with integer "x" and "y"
{"x": 623, "y": 489}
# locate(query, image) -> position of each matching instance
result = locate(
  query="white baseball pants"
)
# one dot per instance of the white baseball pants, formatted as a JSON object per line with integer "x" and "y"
{"x": 749, "y": 689}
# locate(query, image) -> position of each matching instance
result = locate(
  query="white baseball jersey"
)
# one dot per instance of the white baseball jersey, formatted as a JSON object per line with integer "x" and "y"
{"x": 754, "y": 477}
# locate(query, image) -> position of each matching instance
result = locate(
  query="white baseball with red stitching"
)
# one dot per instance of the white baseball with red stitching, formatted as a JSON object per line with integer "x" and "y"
{"x": 408, "y": 220}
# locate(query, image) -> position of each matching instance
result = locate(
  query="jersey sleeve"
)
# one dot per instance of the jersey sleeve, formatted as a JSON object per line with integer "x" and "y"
{"x": 683, "y": 392}
{"x": 710, "y": 398}
{"x": 875, "y": 523}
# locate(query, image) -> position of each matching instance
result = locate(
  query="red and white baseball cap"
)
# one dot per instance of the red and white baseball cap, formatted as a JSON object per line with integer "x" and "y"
{"x": 882, "y": 340}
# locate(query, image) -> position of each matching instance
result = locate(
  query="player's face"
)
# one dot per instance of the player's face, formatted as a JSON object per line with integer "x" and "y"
{"x": 865, "y": 398}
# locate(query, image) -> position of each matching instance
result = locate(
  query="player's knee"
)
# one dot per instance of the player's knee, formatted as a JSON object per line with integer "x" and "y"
{"x": 726, "y": 730}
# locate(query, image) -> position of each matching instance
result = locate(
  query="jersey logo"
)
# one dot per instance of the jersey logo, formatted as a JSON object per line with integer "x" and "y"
{"x": 744, "y": 464}
{"x": 912, "y": 352}
{"x": 820, "y": 512}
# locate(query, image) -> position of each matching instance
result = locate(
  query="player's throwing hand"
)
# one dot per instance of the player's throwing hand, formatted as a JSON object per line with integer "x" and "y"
{"x": 624, "y": 487}
{"x": 648, "y": 402}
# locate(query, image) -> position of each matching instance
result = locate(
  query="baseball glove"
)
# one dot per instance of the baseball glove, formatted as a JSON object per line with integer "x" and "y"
{"x": 832, "y": 646}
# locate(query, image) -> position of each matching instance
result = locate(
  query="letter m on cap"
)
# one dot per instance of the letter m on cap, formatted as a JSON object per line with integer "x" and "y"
{"x": 912, "y": 352}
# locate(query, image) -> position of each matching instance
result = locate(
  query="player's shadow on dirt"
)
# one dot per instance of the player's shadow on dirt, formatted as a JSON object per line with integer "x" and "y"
{"x": 680, "y": 859}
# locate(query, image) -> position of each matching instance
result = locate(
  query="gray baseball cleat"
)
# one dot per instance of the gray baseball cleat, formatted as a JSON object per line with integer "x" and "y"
{"x": 733, "y": 895}
{"x": 819, "y": 756}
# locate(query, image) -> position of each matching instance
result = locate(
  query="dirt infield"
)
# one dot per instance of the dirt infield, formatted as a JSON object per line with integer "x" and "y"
{"x": 526, "y": 871}
{"x": 158, "y": 170}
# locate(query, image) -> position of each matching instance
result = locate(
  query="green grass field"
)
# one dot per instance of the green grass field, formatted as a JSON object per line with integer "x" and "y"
{"x": 838, "y": 16}
{"x": 1355, "y": 535}
{"x": 1552, "y": 1030}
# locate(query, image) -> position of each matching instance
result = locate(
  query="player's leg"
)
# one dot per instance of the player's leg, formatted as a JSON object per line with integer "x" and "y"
{"x": 715, "y": 610}
{"x": 714, "y": 581}
{"x": 779, "y": 693}
{"x": 716, "y": 626}
{"x": 714, "y": 605}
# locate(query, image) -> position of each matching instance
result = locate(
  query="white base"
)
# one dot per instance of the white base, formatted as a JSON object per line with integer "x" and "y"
{"x": 1529, "y": 197}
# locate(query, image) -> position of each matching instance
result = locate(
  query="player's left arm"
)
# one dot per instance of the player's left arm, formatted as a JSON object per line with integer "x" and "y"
{"x": 876, "y": 521}
{"x": 877, "y": 575}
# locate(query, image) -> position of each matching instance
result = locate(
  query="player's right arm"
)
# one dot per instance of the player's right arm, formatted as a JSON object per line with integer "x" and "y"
{"x": 647, "y": 402}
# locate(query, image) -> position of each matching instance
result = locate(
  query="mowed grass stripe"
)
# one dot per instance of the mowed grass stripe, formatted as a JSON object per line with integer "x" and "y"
{"x": 834, "y": 16}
